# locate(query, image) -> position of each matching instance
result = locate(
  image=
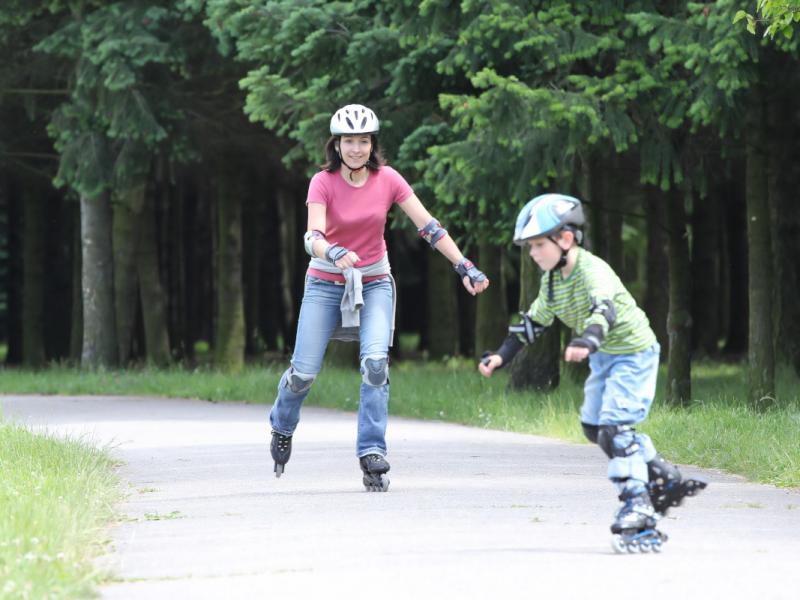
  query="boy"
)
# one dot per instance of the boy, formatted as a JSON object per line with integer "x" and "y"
{"x": 584, "y": 293}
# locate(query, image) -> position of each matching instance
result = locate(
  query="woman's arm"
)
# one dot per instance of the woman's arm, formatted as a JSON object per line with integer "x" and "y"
{"x": 421, "y": 217}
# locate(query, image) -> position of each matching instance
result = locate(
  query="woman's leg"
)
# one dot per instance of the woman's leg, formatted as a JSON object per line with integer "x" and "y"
{"x": 375, "y": 334}
{"x": 319, "y": 314}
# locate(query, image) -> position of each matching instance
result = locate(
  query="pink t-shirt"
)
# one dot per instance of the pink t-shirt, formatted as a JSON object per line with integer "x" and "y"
{"x": 355, "y": 217}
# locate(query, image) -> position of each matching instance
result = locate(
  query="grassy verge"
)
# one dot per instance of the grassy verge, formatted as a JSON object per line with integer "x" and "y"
{"x": 56, "y": 498}
{"x": 715, "y": 430}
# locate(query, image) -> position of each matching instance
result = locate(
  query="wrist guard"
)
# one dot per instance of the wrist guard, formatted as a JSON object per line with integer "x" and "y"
{"x": 591, "y": 338}
{"x": 465, "y": 268}
{"x": 334, "y": 252}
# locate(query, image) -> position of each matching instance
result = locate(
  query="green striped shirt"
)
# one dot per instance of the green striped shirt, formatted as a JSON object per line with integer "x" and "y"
{"x": 590, "y": 283}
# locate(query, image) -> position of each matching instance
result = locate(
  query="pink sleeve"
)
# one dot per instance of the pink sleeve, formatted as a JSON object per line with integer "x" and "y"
{"x": 317, "y": 190}
{"x": 401, "y": 191}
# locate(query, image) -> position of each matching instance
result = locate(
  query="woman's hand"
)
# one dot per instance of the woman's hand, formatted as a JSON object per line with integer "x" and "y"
{"x": 476, "y": 288}
{"x": 348, "y": 260}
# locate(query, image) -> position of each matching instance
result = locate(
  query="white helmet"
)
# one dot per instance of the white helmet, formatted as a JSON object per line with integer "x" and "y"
{"x": 354, "y": 119}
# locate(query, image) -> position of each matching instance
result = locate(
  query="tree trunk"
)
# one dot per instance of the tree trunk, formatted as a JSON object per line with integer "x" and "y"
{"x": 33, "y": 271}
{"x": 229, "y": 338}
{"x": 442, "y": 304}
{"x": 288, "y": 258}
{"x": 491, "y": 319}
{"x": 536, "y": 366}
{"x": 153, "y": 298}
{"x": 100, "y": 331}
{"x": 251, "y": 260}
{"x": 737, "y": 268}
{"x": 679, "y": 320}
{"x": 761, "y": 357}
{"x": 705, "y": 275}
{"x": 656, "y": 297}
{"x": 14, "y": 277}
{"x": 76, "y": 321}
{"x": 127, "y": 210}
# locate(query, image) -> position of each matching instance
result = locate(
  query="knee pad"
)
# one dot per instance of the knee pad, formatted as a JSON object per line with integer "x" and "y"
{"x": 296, "y": 381}
{"x": 375, "y": 370}
{"x": 590, "y": 431}
{"x": 617, "y": 441}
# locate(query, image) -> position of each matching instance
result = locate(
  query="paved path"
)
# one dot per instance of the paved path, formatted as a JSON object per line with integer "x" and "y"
{"x": 470, "y": 513}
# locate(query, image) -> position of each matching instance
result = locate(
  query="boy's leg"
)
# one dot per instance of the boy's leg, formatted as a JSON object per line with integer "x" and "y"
{"x": 320, "y": 312}
{"x": 375, "y": 334}
{"x": 627, "y": 397}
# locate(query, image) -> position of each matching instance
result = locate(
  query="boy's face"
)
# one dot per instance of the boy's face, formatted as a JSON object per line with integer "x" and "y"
{"x": 545, "y": 252}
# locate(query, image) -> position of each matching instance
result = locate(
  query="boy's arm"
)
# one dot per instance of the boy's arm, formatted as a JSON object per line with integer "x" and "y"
{"x": 602, "y": 317}
{"x": 525, "y": 332}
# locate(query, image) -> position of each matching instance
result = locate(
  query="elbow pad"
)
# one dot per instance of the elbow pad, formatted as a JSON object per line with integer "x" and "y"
{"x": 606, "y": 309}
{"x": 309, "y": 238}
{"x": 528, "y": 330}
{"x": 432, "y": 232}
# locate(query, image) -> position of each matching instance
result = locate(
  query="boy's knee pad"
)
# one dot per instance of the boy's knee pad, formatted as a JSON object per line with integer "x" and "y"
{"x": 375, "y": 370}
{"x": 296, "y": 381}
{"x": 617, "y": 440}
{"x": 590, "y": 431}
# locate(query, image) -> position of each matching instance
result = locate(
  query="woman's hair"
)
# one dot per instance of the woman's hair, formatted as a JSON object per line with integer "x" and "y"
{"x": 333, "y": 163}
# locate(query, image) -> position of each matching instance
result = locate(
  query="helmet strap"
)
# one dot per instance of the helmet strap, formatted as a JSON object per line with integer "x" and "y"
{"x": 561, "y": 263}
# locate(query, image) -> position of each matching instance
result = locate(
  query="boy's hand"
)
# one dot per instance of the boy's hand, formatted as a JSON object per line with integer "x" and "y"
{"x": 575, "y": 353}
{"x": 489, "y": 364}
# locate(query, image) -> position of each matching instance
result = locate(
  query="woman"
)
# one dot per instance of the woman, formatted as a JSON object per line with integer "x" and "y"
{"x": 349, "y": 292}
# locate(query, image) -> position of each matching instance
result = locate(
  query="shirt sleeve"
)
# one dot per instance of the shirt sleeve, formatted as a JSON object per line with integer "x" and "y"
{"x": 540, "y": 311}
{"x": 317, "y": 190}
{"x": 401, "y": 190}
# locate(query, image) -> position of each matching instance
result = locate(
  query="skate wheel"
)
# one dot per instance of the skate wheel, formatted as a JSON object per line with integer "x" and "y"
{"x": 632, "y": 547}
{"x": 656, "y": 546}
{"x": 618, "y": 544}
{"x": 645, "y": 546}
{"x": 278, "y": 470}
{"x": 381, "y": 485}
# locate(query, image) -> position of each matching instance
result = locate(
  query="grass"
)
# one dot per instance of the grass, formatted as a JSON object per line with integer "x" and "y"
{"x": 716, "y": 430}
{"x": 56, "y": 499}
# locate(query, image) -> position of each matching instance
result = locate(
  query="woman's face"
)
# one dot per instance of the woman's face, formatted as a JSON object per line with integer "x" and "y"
{"x": 355, "y": 149}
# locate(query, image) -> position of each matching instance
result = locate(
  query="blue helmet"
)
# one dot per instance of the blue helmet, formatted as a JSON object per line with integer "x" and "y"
{"x": 546, "y": 215}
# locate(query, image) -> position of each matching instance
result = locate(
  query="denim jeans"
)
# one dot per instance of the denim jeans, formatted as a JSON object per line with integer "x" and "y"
{"x": 620, "y": 391}
{"x": 320, "y": 313}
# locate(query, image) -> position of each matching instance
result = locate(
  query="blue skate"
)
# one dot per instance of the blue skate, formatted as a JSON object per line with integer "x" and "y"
{"x": 634, "y": 527}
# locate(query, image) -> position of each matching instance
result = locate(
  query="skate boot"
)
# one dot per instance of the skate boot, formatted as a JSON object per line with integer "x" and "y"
{"x": 667, "y": 487}
{"x": 374, "y": 467}
{"x": 634, "y": 526}
{"x": 281, "y": 448}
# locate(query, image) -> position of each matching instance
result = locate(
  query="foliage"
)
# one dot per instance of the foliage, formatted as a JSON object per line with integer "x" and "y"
{"x": 778, "y": 15}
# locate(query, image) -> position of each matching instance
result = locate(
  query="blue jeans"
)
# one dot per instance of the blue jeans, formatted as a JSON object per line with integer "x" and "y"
{"x": 620, "y": 391}
{"x": 320, "y": 313}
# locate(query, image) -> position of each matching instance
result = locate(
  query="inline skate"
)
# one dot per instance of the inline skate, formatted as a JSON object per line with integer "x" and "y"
{"x": 281, "y": 448}
{"x": 374, "y": 467}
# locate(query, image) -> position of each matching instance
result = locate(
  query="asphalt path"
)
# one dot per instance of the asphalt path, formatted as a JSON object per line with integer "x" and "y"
{"x": 470, "y": 513}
